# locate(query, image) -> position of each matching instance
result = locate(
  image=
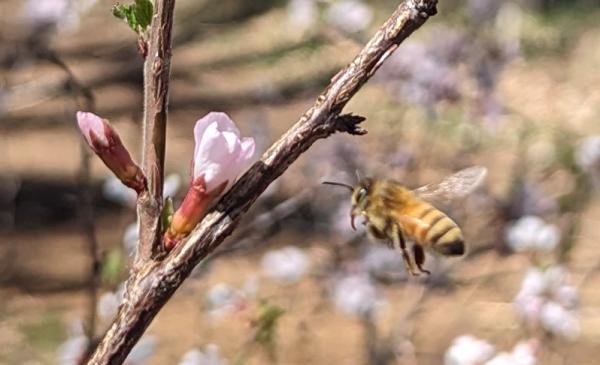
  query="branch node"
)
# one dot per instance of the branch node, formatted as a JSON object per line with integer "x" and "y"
{"x": 349, "y": 123}
{"x": 424, "y": 8}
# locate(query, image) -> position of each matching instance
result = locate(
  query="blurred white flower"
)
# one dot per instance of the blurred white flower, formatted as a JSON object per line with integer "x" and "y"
{"x": 351, "y": 16}
{"x": 44, "y": 11}
{"x": 64, "y": 14}
{"x": 109, "y": 302}
{"x": 468, "y": 350}
{"x": 522, "y": 354}
{"x": 531, "y": 233}
{"x": 210, "y": 356}
{"x": 220, "y": 295}
{"x": 559, "y": 320}
{"x": 223, "y": 299}
{"x": 72, "y": 351}
{"x": 534, "y": 282}
{"x": 528, "y": 307}
{"x": 587, "y": 154}
{"x": 142, "y": 351}
{"x": 567, "y": 296}
{"x": 302, "y": 14}
{"x": 355, "y": 295}
{"x": 286, "y": 265}
{"x": 546, "y": 299}
{"x": 381, "y": 261}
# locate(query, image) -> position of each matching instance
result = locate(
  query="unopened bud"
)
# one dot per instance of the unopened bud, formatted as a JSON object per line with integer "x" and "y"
{"x": 105, "y": 142}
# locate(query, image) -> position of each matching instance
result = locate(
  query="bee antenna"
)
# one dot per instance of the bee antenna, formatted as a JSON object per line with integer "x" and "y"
{"x": 358, "y": 175}
{"x": 338, "y": 184}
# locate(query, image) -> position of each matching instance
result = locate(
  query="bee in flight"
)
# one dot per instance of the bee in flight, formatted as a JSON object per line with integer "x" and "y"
{"x": 394, "y": 213}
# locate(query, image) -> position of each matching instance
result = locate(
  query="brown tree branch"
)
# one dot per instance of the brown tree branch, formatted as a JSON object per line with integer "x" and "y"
{"x": 156, "y": 281}
{"x": 156, "y": 92}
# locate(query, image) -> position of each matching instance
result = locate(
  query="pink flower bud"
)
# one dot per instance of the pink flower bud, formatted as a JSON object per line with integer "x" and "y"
{"x": 105, "y": 142}
{"x": 219, "y": 156}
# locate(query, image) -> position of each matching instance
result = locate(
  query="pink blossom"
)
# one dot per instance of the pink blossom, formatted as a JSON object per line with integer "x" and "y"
{"x": 220, "y": 154}
{"x": 105, "y": 142}
{"x": 559, "y": 321}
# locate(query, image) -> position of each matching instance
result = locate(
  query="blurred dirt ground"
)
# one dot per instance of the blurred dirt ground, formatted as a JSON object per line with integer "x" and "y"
{"x": 259, "y": 69}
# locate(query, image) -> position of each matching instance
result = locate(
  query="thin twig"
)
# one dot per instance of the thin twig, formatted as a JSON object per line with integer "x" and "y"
{"x": 263, "y": 223}
{"x": 79, "y": 89}
{"x": 156, "y": 92}
{"x": 156, "y": 281}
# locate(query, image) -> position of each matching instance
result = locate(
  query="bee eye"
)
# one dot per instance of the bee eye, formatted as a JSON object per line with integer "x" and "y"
{"x": 362, "y": 193}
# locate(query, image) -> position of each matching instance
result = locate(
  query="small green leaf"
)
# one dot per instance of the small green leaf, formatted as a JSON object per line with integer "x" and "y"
{"x": 143, "y": 13}
{"x": 167, "y": 213}
{"x": 138, "y": 15}
{"x": 112, "y": 267}
{"x": 266, "y": 324}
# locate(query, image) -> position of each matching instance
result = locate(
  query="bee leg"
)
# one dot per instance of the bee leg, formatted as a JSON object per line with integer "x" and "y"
{"x": 400, "y": 244}
{"x": 419, "y": 255}
{"x": 375, "y": 232}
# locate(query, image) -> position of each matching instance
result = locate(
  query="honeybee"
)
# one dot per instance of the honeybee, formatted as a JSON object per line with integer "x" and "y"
{"x": 394, "y": 213}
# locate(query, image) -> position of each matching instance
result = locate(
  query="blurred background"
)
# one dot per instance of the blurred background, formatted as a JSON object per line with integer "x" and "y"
{"x": 510, "y": 85}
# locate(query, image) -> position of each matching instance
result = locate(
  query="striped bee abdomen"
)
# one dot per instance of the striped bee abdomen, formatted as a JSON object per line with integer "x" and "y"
{"x": 445, "y": 237}
{"x": 436, "y": 230}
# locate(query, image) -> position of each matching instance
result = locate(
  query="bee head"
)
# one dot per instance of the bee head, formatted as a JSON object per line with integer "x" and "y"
{"x": 359, "y": 196}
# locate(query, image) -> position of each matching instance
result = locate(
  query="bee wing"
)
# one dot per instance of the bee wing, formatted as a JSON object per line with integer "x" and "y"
{"x": 455, "y": 186}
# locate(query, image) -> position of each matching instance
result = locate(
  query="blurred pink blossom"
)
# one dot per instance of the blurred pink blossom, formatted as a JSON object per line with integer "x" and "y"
{"x": 286, "y": 265}
{"x": 356, "y": 295}
{"x": 222, "y": 299}
{"x": 546, "y": 300}
{"x": 302, "y": 14}
{"x": 522, "y": 354}
{"x": 210, "y": 356}
{"x": 468, "y": 350}
{"x": 65, "y": 15}
{"x": 531, "y": 233}
{"x": 105, "y": 142}
{"x": 351, "y": 16}
{"x": 559, "y": 320}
